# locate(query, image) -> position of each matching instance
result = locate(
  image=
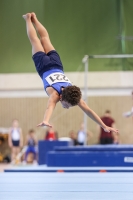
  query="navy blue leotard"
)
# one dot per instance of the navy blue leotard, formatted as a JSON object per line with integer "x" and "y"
{"x": 50, "y": 69}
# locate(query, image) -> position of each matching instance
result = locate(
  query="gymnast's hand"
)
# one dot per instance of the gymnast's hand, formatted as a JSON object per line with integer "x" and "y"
{"x": 44, "y": 124}
{"x": 109, "y": 129}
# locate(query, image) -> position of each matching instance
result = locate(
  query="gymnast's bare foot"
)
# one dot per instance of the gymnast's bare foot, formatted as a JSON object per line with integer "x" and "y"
{"x": 27, "y": 16}
{"x": 33, "y": 17}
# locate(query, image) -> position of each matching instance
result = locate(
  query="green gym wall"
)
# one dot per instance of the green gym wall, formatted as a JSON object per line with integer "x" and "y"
{"x": 76, "y": 28}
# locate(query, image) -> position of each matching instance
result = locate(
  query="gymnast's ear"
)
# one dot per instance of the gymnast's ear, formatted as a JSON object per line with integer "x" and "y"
{"x": 60, "y": 96}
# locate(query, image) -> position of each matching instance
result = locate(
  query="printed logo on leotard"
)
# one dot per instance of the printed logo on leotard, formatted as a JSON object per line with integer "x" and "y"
{"x": 57, "y": 77}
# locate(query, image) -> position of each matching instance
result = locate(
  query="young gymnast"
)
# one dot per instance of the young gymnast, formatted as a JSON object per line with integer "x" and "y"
{"x": 49, "y": 67}
{"x": 15, "y": 139}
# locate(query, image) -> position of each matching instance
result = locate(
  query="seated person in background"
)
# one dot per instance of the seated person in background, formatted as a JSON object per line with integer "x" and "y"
{"x": 106, "y": 137}
{"x": 31, "y": 143}
{"x": 51, "y": 134}
{"x": 15, "y": 139}
{"x": 82, "y": 137}
{"x": 72, "y": 135}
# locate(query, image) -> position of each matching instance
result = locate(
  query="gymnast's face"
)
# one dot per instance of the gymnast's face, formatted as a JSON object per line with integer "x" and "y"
{"x": 65, "y": 104}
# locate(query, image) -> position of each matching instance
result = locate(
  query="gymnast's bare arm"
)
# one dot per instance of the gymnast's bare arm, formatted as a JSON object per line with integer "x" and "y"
{"x": 94, "y": 116}
{"x": 52, "y": 101}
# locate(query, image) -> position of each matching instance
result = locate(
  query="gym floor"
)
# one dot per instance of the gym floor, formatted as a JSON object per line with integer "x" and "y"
{"x": 66, "y": 186}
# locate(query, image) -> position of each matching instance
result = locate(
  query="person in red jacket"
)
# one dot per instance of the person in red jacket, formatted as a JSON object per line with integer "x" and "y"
{"x": 51, "y": 134}
{"x": 107, "y": 138}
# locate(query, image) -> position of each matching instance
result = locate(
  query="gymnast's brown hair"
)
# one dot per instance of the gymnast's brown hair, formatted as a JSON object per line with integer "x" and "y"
{"x": 72, "y": 95}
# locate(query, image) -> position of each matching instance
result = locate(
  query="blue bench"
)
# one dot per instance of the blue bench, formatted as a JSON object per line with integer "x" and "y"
{"x": 96, "y": 155}
{"x": 46, "y": 146}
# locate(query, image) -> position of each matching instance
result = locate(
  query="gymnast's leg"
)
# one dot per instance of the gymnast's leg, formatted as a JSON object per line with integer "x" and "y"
{"x": 44, "y": 36}
{"x": 32, "y": 35}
